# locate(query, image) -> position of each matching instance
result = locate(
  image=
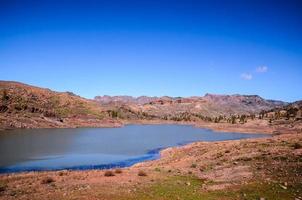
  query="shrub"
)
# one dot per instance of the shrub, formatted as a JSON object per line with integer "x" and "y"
{"x": 297, "y": 146}
{"x": 245, "y": 159}
{"x": 47, "y": 180}
{"x": 157, "y": 169}
{"x": 2, "y": 187}
{"x": 142, "y": 173}
{"x": 62, "y": 173}
{"x": 108, "y": 173}
{"x": 118, "y": 171}
{"x": 193, "y": 165}
{"x": 5, "y": 96}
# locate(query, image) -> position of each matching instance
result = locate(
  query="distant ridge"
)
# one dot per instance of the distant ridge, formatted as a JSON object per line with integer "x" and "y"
{"x": 26, "y": 106}
{"x": 208, "y": 105}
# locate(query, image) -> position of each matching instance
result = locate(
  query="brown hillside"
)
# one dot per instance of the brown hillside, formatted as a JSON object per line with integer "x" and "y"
{"x": 23, "y": 105}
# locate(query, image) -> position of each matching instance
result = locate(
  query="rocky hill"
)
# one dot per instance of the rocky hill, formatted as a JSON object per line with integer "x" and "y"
{"x": 27, "y": 106}
{"x": 209, "y": 105}
{"x": 124, "y": 99}
{"x": 289, "y": 112}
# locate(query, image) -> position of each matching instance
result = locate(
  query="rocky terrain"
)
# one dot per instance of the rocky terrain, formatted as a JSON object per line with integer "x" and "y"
{"x": 209, "y": 105}
{"x": 125, "y": 99}
{"x": 25, "y": 106}
{"x": 265, "y": 168}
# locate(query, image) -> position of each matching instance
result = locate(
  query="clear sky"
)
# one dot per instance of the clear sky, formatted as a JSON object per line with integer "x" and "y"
{"x": 156, "y": 48}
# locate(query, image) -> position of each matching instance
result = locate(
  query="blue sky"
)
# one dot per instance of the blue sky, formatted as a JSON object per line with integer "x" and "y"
{"x": 156, "y": 48}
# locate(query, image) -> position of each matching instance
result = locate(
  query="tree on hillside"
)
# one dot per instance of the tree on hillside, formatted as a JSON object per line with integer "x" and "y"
{"x": 233, "y": 119}
{"x": 243, "y": 119}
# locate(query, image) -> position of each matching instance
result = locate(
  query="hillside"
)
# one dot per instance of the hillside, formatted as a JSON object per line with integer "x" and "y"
{"x": 125, "y": 99}
{"x": 25, "y": 106}
{"x": 209, "y": 105}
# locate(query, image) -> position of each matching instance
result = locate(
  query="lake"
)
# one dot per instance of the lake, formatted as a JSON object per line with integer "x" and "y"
{"x": 96, "y": 148}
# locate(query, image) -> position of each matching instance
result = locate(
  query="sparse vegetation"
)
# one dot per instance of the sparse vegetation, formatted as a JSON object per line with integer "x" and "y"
{"x": 113, "y": 113}
{"x": 188, "y": 187}
{"x": 274, "y": 167}
{"x": 35, "y": 101}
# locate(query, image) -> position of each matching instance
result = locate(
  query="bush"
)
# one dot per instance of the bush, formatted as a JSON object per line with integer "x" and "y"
{"x": 47, "y": 180}
{"x": 5, "y": 96}
{"x": 244, "y": 159}
{"x": 193, "y": 165}
{"x": 142, "y": 173}
{"x": 157, "y": 169}
{"x": 108, "y": 173}
{"x": 2, "y": 187}
{"x": 297, "y": 146}
{"x": 118, "y": 171}
{"x": 62, "y": 173}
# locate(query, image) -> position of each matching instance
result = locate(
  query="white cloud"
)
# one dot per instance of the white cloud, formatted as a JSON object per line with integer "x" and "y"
{"x": 262, "y": 69}
{"x": 246, "y": 76}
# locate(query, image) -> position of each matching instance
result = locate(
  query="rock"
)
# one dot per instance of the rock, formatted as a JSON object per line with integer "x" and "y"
{"x": 188, "y": 183}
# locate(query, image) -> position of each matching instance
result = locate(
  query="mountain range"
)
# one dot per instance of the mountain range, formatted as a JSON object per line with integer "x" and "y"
{"x": 210, "y": 105}
{"x": 26, "y": 106}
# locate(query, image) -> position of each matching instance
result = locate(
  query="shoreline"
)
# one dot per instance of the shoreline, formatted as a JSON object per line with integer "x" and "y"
{"x": 220, "y": 166}
{"x": 219, "y": 127}
{"x": 248, "y": 128}
{"x": 153, "y": 154}
{"x": 223, "y": 165}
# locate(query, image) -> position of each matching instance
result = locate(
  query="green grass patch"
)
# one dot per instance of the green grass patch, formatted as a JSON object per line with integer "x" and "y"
{"x": 191, "y": 188}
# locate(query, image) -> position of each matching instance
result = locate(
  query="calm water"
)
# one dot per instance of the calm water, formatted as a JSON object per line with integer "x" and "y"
{"x": 90, "y": 148}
